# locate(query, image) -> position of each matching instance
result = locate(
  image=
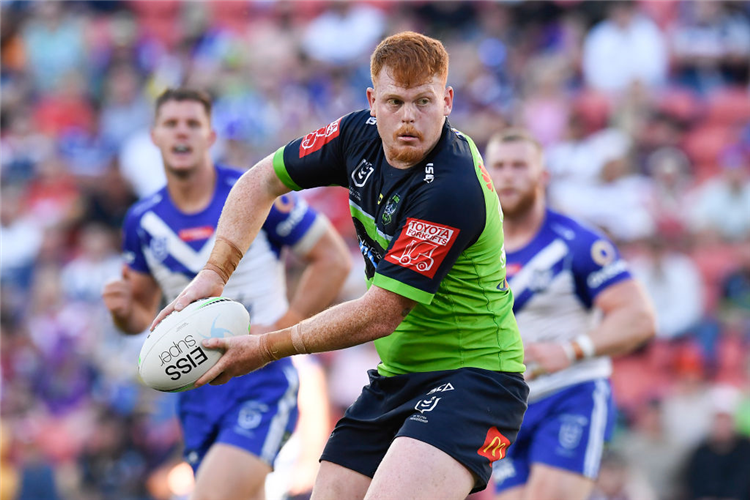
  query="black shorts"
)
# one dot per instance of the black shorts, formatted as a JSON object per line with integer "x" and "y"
{"x": 471, "y": 414}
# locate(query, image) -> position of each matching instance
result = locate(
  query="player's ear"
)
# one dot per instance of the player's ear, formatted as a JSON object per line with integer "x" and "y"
{"x": 371, "y": 100}
{"x": 212, "y": 137}
{"x": 448, "y": 101}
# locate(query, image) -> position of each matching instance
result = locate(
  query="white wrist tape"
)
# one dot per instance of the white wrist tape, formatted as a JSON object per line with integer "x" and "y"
{"x": 586, "y": 345}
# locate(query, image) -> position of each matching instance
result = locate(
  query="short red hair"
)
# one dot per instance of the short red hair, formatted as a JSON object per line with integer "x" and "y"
{"x": 412, "y": 58}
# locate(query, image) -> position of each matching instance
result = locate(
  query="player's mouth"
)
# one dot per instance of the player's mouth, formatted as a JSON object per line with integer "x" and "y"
{"x": 409, "y": 135}
{"x": 181, "y": 150}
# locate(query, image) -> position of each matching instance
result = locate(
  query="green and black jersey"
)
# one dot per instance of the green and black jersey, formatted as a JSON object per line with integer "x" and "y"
{"x": 432, "y": 233}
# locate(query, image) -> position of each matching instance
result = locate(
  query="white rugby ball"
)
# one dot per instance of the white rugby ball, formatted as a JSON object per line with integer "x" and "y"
{"x": 172, "y": 357}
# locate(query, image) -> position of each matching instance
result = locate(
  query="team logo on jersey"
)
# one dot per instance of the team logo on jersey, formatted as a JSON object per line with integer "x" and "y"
{"x": 196, "y": 233}
{"x": 390, "y": 208}
{"x": 159, "y": 248}
{"x": 362, "y": 173}
{"x": 486, "y": 177}
{"x": 422, "y": 246}
{"x": 495, "y": 445}
{"x": 316, "y": 140}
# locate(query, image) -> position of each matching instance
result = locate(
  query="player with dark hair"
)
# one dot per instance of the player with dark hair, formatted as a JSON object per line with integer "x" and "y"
{"x": 448, "y": 397}
{"x": 563, "y": 275}
{"x": 232, "y": 433}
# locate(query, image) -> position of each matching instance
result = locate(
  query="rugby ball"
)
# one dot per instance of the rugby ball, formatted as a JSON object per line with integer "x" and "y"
{"x": 172, "y": 357}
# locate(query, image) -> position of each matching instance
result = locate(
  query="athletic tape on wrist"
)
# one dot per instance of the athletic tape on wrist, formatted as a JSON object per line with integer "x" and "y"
{"x": 224, "y": 258}
{"x": 569, "y": 351}
{"x": 588, "y": 349}
{"x": 297, "y": 340}
{"x": 282, "y": 343}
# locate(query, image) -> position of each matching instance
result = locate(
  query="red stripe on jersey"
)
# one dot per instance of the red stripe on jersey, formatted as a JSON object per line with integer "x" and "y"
{"x": 316, "y": 140}
{"x": 196, "y": 233}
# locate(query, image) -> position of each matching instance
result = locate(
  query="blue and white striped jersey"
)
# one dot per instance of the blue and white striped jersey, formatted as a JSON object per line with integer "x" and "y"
{"x": 172, "y": 246}
{"x": 555, "y": 279}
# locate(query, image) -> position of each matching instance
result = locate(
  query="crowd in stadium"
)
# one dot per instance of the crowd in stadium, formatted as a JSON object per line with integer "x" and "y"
{"x": 644, "y": 111}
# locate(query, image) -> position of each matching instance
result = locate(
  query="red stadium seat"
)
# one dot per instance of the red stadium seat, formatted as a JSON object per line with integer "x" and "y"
{"x": 705, "y": 144}
{"x": 680, "y": 103}
{"x": 729, "y": 106}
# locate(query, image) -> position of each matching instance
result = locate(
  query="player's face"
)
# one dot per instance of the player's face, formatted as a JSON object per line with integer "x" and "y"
{"x": 410, "y": 119}
{"x": 183, "y": 133}
{"x": 517, "y": 173}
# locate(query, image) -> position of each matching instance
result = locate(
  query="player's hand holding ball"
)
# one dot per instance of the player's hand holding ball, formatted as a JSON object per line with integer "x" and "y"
{"x": 206, "y": 283}
{"x": 242, "y": 355}
{"x": 188, "y": 343}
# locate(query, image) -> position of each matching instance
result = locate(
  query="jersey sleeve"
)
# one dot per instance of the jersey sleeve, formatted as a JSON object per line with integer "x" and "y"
{"x": 132, "y": 246}
{"x": 432, "y": 236}
{"x": 317, "y": 159}
{"x": 293, "y": 223}
{"x": 597, "y": 265}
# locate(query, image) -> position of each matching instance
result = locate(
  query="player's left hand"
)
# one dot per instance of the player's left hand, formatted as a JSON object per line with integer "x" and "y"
{"x": 242, "y": 355}
{"x": 545, "y": 357}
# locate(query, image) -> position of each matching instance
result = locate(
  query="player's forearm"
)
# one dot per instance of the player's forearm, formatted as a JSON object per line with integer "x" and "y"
{"x": 345, "y": 325}
{"x": 624, "y": 329}
{"x": 318, "y": 287}
{"x": 244, "y": 212}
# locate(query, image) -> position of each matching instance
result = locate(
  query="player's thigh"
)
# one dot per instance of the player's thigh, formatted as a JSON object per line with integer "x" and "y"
{"x": 551, "y": 483}
{"x": 228, "y": 472}
{"x": 335, "y": 482}
{"x": 416, "y": 470}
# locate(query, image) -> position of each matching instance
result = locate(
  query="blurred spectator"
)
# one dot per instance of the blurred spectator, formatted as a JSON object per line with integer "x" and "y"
{"x": 22, "y": 240}
{"x": 53, "y": 197}
{"x": 124, "y": 109}
{"x": 624, "y": 48}
{"x": 359, "y": 24}
{"x": 735, "y": 292}
{"x": 83, "y": 278}
{"x": 669, "y": 200}
{"x": 619, "y": 481}
{"x": 710, "y": 45}
{"x": 720, "y": 466}
{"x": 54, "y": 44}
{"x": 140, "y": 164}
{"x": 650, "y": 453}
{"x": 686, "y": 407}
{"x": 723, "y": 203}
{"x": 674, "y": 284}
{"x": 586, "y": 170}
{"x": 23, "y": 147}
{"x": 65, "y": 107}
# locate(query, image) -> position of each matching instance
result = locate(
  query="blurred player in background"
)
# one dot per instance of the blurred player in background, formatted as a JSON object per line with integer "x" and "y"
{"x": 232, "y": 433}
{"x": 563, "y": 275}
{"x": 448, "y": 396}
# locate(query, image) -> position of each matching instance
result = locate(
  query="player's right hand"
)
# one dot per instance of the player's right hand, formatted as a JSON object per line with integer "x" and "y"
{"x": 118, "y": 294}
{"x": 205, "y": 284}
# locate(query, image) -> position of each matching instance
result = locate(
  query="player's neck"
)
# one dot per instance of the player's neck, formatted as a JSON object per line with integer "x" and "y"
{"x": 520, "y": 229}
{"x": 192, "y": 194}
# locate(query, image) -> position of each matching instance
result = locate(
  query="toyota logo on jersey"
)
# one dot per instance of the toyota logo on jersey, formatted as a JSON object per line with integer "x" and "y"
{"x": 422, "y": 246}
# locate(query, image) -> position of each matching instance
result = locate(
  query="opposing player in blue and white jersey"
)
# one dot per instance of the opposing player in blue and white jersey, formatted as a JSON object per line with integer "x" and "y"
{"x": 233, "y": 432}
{"x": 576, "y": 304}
